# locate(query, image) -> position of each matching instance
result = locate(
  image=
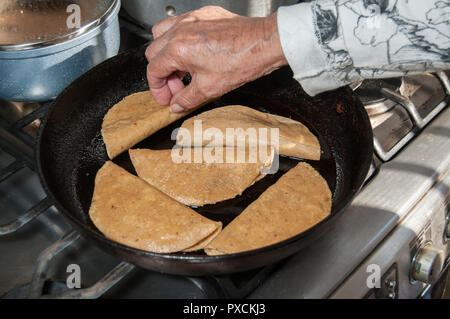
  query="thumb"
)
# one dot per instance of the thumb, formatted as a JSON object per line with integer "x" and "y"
{"x": 188, "y": 98}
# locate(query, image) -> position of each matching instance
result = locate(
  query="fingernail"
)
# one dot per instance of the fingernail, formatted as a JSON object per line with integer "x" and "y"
{"x": 175, "y": 108}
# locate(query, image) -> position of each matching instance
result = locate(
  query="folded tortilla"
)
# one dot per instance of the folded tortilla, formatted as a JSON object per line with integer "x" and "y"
{"x": 299, "y": 200}
{"x": 134, "y": 119}
{"x": 128, "y": 210}
{"x": 295, "y": 139}
{"x": 211, "y": 180}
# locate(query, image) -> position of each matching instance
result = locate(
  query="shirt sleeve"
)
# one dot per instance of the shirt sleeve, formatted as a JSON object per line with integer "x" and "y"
{"x": 331, "y": 43}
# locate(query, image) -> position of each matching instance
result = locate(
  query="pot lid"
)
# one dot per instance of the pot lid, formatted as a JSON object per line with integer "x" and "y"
{"x": 27, "y": 24}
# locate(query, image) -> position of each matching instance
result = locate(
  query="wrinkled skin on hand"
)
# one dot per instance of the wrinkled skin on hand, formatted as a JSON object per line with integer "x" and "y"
{"x": 220, "y": 50}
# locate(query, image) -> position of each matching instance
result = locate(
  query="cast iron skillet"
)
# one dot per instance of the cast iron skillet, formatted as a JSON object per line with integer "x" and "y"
{"x": 71, "y": 150}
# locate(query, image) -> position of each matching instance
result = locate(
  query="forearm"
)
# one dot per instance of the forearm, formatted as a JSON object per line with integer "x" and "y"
{"x": 329, "y": 43}
{"x": 272, "y": 50}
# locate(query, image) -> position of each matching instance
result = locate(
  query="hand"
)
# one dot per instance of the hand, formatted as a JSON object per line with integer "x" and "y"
{"x": 220, "y": 50}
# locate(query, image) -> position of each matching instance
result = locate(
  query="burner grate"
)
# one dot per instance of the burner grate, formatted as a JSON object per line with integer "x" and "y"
{"x": 20, "y": 145}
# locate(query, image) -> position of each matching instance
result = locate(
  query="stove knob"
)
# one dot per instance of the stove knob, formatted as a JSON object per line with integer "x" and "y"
{"x": 427, "y": 264}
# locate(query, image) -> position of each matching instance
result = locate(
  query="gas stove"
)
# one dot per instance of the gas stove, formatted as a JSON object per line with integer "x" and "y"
{"x": 391, "y": 242}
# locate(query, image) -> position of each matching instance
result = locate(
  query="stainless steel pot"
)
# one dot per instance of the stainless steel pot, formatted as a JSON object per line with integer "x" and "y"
{"x": 149, "y": 12}
{"x": 45, "y": 45}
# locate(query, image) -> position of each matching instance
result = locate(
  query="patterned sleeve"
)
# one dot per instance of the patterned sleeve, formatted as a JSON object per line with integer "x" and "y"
{"x": 331, "y": 43}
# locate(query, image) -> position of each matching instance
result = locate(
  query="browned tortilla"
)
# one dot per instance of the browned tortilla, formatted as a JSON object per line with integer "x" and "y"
{"x": 297, "y": 201}
{"x": 198, "y": 184}
{"x": 128, "y": 210}
{"x": 132, "y": 120}
{"x": 294, "y": 138}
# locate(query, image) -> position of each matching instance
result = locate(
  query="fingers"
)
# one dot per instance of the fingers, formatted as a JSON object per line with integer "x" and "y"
{"x": 175, "y": 84}
{"x": 205, "y": 13}
{"x": 168, "y": 61}
{"x": 163, "y": 26}
{"x": 155, "y": 48}
{"x": 164, "y": 89}
{"x": 187, "y": 98}
{"x": 159, "y": 88}
{"x": 159, "y": 69}
{"x": 159, "y": 72}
